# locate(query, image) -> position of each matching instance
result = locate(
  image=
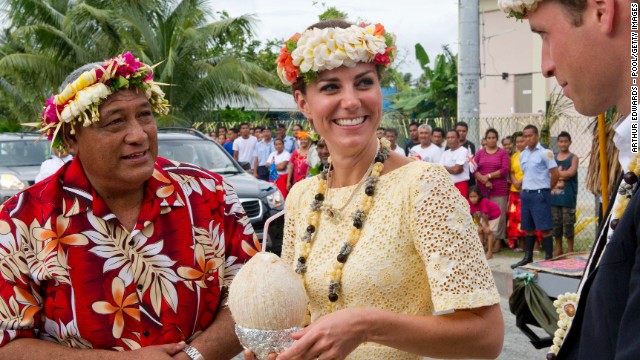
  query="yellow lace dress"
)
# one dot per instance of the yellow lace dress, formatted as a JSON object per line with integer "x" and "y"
{"x": 419, "y": 252}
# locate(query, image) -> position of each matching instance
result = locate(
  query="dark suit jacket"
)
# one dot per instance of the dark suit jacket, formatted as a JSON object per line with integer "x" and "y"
{"x": 607, "y": 322}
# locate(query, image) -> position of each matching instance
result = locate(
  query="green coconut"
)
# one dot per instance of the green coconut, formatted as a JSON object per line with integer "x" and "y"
{"x": 267, "y": 294}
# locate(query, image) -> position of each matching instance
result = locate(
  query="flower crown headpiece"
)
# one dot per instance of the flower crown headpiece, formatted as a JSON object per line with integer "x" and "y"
{"x": 80, "y": 100}
{"x": 518, "y": 9}
{"x": 305, "y": 55}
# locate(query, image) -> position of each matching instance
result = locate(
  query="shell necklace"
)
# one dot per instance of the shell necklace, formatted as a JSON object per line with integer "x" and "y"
{"x": 359, "y": 218}
{"x": 566, "y": 304}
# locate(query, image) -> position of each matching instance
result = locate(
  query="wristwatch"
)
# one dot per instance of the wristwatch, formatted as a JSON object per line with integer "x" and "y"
{"x": 193, "y": 353}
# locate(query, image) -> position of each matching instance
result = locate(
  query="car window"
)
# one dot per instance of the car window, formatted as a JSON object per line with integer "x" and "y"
{"x": 199, "y": 152}
{"x": 23, "y": 152}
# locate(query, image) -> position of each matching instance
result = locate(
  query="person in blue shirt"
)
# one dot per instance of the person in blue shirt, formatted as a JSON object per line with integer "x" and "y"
{"x": 289, "y": 141}
{"x": 261, "y": 153}
{"x": 231, "y": 135}
{"x": 540, "y": 176}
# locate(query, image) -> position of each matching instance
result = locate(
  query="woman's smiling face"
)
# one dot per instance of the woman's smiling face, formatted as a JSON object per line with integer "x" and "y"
{"x": 344, "y": 105}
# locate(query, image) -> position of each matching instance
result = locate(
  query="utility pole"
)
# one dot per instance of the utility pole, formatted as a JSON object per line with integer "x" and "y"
{"x": 469, "y": 68}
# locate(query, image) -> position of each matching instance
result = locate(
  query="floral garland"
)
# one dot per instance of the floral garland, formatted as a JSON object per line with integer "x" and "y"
{"x": 316, "y": 50}
{"x": 518, "y": 8}
{"x": 359, "y": 218}
{"x": 80, "y": 100}
{"x": 568, "y": 303}
{"x": 566, "y": 306}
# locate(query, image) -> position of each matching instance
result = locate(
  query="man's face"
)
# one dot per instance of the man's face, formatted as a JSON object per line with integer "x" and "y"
{"x": 530, "y": 138}
{"x": 380, "y": 133}
{"x": 231, "y": 135}
{"x": 424, "y": 136}
{"x": 587, "y": 62}
{"x": 118, "y": 152}
{"x": 295, "y": 130}
{"x": 391, "y": 136}
{"x": 266, "y": 134}
{"x": 222, "y": 131}
{"x": 452, "y": 140}
{"x": 244, "y": 131}
{"x": 462, "y": 131}
{"x": 413, "y": 133}
{"x": 436, "y": 138}
{"x": 281, "y": 132}
{"x": 222, "y": 139}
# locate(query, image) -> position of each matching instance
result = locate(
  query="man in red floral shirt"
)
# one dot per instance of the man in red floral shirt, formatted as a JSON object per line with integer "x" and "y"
{"x": 119, "y": 250}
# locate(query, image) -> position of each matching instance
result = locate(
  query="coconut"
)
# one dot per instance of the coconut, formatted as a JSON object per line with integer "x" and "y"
{"x": 266, "y": 294}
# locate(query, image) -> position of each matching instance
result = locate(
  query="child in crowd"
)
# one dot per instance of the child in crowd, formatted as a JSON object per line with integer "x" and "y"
{"x": 484, "y": 212}
{"x": 277, "y": 165}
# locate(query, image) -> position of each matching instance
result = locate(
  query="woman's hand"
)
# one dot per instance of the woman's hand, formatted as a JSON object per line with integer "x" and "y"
{"x": 488, "y": 185}
{"x": 248, "y": 355}
{"x": 332, "y": 336}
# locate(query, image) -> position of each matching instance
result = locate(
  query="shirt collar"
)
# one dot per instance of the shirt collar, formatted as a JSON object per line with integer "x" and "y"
{"x": 79, "y": 196}
{"x": 622, "y": 139}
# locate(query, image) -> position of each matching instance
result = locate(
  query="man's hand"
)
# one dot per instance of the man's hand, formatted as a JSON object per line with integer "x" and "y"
{"x": 155, "y": 352}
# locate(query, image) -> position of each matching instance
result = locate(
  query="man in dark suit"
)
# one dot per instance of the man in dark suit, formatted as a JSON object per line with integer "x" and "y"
{"x": 587, "y": 46}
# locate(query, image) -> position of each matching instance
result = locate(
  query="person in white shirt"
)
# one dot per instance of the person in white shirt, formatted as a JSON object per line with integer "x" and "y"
{"x": 455, "y": 161}
{"x": 392, "y": 135}
{"x": 426, "y": 151}
{"x": 244, "y": 146}
{"x": 50, "y": 166}
{"x": 438, "y": 137}
{"x": 280, "y": 158}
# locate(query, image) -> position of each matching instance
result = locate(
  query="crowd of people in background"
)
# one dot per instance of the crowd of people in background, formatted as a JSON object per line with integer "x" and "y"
{"x": 495, "y": 176}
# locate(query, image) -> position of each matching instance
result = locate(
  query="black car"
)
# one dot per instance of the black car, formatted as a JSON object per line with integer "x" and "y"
{"x": 260, "y": 199}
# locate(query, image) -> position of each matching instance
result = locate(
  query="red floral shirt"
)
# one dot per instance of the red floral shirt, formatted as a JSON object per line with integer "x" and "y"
{"x": 71, "y": 274}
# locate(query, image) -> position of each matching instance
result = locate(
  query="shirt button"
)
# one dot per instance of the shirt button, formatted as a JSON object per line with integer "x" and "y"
{"x": 146, "y": 333}
{"x": 140, "y": 286}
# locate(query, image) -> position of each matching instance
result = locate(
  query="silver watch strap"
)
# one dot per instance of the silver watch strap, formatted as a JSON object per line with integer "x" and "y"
{"x": 193, "y": 353}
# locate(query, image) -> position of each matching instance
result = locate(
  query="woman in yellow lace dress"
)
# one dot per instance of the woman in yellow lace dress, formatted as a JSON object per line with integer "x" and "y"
{"x": 385, "y": 245}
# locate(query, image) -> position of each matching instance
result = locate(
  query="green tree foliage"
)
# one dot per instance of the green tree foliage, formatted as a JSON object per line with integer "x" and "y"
{"x": 435, "y": 94}
{"x": 332, "y": 13}
{"x": 47, "y": 39}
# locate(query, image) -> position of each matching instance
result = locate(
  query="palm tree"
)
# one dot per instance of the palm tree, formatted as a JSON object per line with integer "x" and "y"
{"x": 53, "y": 37}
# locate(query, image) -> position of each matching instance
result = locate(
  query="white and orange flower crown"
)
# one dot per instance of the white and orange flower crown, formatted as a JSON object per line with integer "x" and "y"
{"x": 518, "y": 9}
{"x": 79, "y": 101}
{"x": 305, "y": 55}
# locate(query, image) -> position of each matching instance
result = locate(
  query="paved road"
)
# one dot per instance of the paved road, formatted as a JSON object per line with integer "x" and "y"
{"x": 516, "y": 344}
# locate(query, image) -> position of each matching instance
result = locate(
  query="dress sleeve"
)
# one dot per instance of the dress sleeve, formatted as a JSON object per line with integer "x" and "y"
{"x": 20, "y": 296}
{"x": 447, "y": 241}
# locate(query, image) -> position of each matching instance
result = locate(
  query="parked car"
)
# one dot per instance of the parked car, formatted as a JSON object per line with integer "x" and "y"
{"x": 260, "y": 199}
{"x": 20, "y": 159}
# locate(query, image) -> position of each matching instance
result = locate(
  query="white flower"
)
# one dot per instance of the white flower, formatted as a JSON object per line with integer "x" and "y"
{"x": 518, "y": 8}
{"x": 326, "y": 49}
{"x": 84, "y": 98}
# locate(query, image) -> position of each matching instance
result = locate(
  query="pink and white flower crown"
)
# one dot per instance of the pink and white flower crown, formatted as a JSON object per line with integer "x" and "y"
{"x": 305, "y": 55}
{"x": 80, "y": 100}
{"x": 518, "y": 9}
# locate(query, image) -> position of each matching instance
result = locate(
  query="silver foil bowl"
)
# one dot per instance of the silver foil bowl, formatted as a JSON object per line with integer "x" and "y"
{"x": 263, "y": 342}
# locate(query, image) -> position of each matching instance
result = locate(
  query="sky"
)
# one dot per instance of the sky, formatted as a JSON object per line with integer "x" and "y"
{"x": 432, "y": 23}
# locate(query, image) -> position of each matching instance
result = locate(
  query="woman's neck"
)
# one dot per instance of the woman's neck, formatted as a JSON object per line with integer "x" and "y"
{"x": 349, "y": 169}
{"x": 491, "y": 150}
